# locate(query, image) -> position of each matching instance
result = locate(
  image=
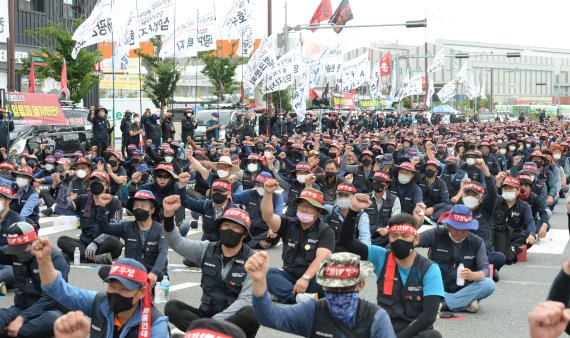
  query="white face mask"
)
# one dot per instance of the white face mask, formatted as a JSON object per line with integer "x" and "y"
{"x": 136, "y": 119}
{"x": 512, "y": 148}
{"x": 49, "y": 167}
{"x": 407, "y": 144}
{"x": 343, "y": 203}
{"x": 404, "y": 179}
{"x": 301, "y": 178}
{"x": 471, "y": 202}
{"x": 267, "y": 153}
{"x": 532, "y": 178}
{"x": 21, "y": 182}
{"x": 1, "y": 206}
{"x": 556, "y": 156}
{"x": 223, "y": 173}
{"x": 503, "y": 151}
{"x": 252, "y": 167}
{"x": 528, "y": 145}
{"x": 168, "y": 159}
{"x": 81, "y": 173}
{"x": 470, "y": 161}
{"x": 509, "y": 196}
{"x": 451, "y": 150}
{"x": 260, "y": 190}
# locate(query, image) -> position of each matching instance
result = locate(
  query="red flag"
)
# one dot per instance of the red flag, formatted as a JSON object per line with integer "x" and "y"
{"x": 63, "y": 83}
{"x": 32, "y": 80}
{"x": 313, "y": 93}
{"x": 342, "y": 15}
{"x": 323, "y": 12}
{"x": 385, "y": 67}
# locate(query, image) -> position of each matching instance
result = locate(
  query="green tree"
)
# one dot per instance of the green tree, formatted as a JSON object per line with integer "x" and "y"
{"x": 407, "y": 102}
{"x": 58, "y": 45}
{"x": 282, "y": 99}
{"x": 220, "y": 71}
{"x": 162, "y": 77}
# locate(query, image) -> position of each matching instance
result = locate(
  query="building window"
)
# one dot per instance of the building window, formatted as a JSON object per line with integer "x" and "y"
{"x": 71, "y": 9}
{"x": 32, "y": 5}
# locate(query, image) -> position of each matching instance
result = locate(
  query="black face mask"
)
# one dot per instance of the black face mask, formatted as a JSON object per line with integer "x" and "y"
{"x": 391, "y": 149}
{"x": 25, "y": 257}
{"x": 378, "y": 187}
{"x": 441, "y": 152}
{"x": 230, "y": 238}
{"x": 113, "y": 163}
{"x": 136, "y": 160}
{"x": 118, "y": 303}
{"x": 366, "y": 162}
{"x": 219, "y": 198}
{"x": 333, "y": 155}
{"x": 330, "y": 175}
{"x": 144, "y": 177}
{"x": 401, "y": 248}
{"x": 141, "y": 214}
{"x": 430, "y": 173}
{"x": 97, "y": 188}
{"x": 538, "y": 164}
{"x": 452, "y": 168}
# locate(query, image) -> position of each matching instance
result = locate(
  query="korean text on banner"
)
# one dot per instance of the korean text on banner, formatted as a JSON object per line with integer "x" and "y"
{"x": 96, "y": 28}
{"x": 35, "y": 109}
{"x": 4, "y": 23}
{"x": 447, "y": 92}
{"x": 344, "y": 101}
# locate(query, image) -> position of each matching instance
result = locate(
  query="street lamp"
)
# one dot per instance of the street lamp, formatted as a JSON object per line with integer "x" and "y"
{"x": 407, "y": 24}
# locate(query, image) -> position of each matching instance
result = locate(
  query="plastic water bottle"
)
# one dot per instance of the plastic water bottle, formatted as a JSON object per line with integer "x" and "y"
{"x": 165, "y": 286}
{"x": 76, "y": 256}
{"x": 158, "y": 293}
{"x": 200, "y": 222}
{"x": 460, "y": 280}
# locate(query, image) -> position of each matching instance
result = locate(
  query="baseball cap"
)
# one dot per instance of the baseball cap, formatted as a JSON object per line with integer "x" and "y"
{"x": 213, "y": 328}
{"x": 511, "y": 181}
{"x": 7, "y": 192}
{"x": 19, "y": 235}
{"x": 473, "y": 186}
{"x": 346, "y": 188}
{"x": 222, "y": 184}
{"x": 460, "y": 217}
{"x": 263, "y": 177}
{"x": 238, "y": 216}
{"x": 313, "y": 196}
{"x": 129, "y": 272}
{"x": 343, "y": 269}
{"x": 380, "y": 176}
{"x": 145, "y": 195}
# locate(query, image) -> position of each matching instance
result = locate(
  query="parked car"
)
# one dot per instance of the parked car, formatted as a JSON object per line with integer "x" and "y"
{"x": 77, "y": 135}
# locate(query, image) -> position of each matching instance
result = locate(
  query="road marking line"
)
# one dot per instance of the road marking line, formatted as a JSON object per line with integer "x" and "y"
{"x": 520, "y": 282}
{"x": 182, "y": 286}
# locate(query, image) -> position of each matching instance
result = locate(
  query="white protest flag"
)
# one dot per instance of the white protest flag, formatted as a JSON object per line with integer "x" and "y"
{"x": 404, "y": 88}
{"x": 438, "y": 61}
{"x": 430, "y": 92}
{"x": 155, "y": 18}
{"x": 331, "y": 61}
{"x": 415, "y": 85}
{"x": 262, "y": 61}
{"x": 237, "y": 24}
{"x": 375, "y": 82}
{"x": 4, "y": 21}
{"x": 393, "y": 86}
{"x": 96, "y": 28}
{"x": 182, "y": 42}
{"x": 471, "y": 89}
{"x": 482, "y": 93}
{"x": 300, "y": 96}
{"x": 447, "y": 92}
{"x": 354, "y": 73}
{"x": 125, "y": 34}
{"x": 282, "y": 76}
{"x": 462, "y": 75}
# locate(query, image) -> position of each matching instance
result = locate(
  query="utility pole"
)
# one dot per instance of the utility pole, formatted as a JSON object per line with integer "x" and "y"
{"x": 491, "y": 102}
{"x": 426, "y": 73}
{"x": 11, "y": 48}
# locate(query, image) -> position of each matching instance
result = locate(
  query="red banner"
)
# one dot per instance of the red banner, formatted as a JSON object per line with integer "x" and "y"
{"x": 35, "y": 109}
{"x": 385, "y": 67}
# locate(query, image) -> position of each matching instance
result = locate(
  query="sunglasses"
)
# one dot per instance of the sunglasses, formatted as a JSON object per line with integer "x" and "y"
{"x": 163, "y": 176}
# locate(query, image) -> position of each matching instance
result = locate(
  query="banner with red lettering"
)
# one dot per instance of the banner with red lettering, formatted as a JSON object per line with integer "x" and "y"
{"x": 32, "y": 109}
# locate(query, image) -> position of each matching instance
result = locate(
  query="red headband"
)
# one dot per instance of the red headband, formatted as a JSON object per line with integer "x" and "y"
{"x": 460, "y": 218}
{"x": 22, "y": 239}
{"x": 341, "y": 272}
{"x": 222, "y": 184}
{"x": 139, "y": 276}
{"x": 407, "y": 228}
{"x": 204, "y": 333}
{"x": 313, "y": 195}
{"x": 346, "y": 188}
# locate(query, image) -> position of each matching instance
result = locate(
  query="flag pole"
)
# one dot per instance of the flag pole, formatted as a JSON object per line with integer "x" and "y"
{"x": 196, "y": 68}
{"x": 139, "y": 57}
{"x": 113, "y": 78}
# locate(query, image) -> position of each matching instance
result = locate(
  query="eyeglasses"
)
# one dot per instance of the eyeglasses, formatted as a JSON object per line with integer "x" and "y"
{"x": 163, "y": 176}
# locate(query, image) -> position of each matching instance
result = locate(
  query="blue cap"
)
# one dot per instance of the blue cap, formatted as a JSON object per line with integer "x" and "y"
{"x": 216, "y": 114}
{"x": 263, "y": 177}
{"x": 413, "y": 152}
{"x": 461, "y": 218}
{"x": 388, "y": 159}
{"x": 129, "y": 284}
{"x": 143, "y": 167}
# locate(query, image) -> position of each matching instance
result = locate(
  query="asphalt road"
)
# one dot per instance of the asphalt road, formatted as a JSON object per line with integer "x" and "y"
{"x": 504, "y": 314}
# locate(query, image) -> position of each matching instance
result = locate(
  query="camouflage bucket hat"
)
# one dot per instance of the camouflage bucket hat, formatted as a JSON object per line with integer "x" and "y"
{"x": 343, "y": 269}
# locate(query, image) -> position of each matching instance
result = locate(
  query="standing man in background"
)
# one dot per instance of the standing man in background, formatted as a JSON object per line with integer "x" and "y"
{"x": 6, "y": 126}
{"x": 101, "y": 128}
{"x": 125, "y": 128}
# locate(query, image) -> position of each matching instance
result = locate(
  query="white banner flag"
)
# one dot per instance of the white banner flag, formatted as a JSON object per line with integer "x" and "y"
{"x": 237, "y": 24}
{"x": 126, "y": 36}
{"x": 447, "y": 92}
{"x": 4, "y": 23}
{"x": 157, "y": 18}
{"x": 482, "y": 93}
{"x": 415, "y": 85}
{"x": 300, "y": 97}
{"x": 283, "y": 75}
{"x": 438, "y": 61}
{"x": 96, "y": 28}
{"x": 462, "y": 75}
{"x": 471, "y": 89}
{"x": 262, "y": 61}
{"x": 189, "y": 38}
{"x": 375, "y": 82}
{"x": 430, "y": 92}
{"x": 354, "y": 73}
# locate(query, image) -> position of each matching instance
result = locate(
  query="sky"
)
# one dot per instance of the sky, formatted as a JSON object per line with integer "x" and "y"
{"x": 541, "y": 24}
